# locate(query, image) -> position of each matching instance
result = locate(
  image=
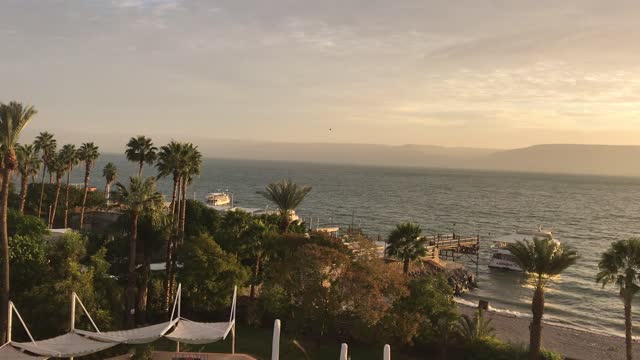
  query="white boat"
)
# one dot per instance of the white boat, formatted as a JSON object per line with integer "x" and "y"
{"x": 502, "y": 257}
{"x": 218, "y": 199}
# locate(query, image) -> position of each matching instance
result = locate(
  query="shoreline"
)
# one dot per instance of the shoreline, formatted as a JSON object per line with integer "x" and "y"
{"x": 572, "y": 343}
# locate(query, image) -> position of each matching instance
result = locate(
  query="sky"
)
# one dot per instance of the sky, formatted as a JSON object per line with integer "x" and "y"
{"x": 476, "y": 73}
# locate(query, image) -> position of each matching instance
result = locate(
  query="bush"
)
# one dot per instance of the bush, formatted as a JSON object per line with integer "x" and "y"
{"x": 25, "y": 225}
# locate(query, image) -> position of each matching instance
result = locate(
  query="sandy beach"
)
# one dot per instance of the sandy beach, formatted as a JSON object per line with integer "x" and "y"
{"x": 574, "y": 344}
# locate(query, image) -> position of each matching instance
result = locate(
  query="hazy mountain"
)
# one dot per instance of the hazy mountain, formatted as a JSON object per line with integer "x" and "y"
{"x": 568, "y": 158}
{"x": 571, "y": 159}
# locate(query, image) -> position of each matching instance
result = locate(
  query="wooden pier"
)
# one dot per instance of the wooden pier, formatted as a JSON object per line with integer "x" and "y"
{"x": 452, "y": 247}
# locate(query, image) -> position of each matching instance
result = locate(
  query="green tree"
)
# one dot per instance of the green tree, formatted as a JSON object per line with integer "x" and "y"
{"x": 254, "y": 242}
{"x": 141, "y": 197}
{"x": 13, "y": 119}
{"x": 620, "y": 265}
{"x": 421, "y": 315}
{"x": 287, "y": 196}
{"x": 88, "y": 153}
{"x": 69, "y": 268}
{"x": 140, "y": 149}
{"x": 191, "y": 162}
{"x": 69, "y": 156}
{"x": 110, "y": 174}
{"x": 542, "y": 260}
{"x": 405, "y": 243}
{"x": 59, "y": 167}
{"x": 209, "y": 276}
{"x": 46, "y": 145}
{"x": 28, "y": 165}
{"x": 169, "y": 163}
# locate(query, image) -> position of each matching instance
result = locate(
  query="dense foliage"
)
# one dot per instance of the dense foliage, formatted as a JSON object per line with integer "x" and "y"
{"x": 321, "y": 289}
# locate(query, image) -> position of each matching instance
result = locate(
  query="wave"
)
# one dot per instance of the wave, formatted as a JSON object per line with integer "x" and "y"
{"x": 557, "y": 322}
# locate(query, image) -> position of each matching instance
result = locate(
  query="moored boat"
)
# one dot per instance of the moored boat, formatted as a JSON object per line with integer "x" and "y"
{"x": 218, "y": 199}
{"x": 502, "y": 258}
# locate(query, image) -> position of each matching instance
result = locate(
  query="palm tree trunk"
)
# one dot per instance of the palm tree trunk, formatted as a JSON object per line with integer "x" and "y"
{"x": 44, "y": 171}
{"x": 66, "y": 199}
{"x": 174, "y": 246}
{"x": 4, "y": 196}
{"x": 140, "y": 165}
{"x": 178, "y": 209}
{"x": 183, "y": 215}
{"x": 84, "y": 196}
{"x": 131, "y": 279}
{"x": 144, "y": 290}
{"x": 24, "y": 185}
{"x": 168, "y": 264}
{"x": 55, "y": 203}
{"x": 405, "y": 266}
{"x": 256, "y": 272}
{"x": 628, "y": 327}
{"x": 285, "y": 223}
{"x": 535, "y": 329}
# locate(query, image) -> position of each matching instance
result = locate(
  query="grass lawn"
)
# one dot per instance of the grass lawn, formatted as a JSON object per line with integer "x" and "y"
{"x": 257, "y": 343}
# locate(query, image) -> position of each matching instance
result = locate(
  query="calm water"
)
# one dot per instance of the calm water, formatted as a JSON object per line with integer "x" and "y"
{"x": 586, "y": 212}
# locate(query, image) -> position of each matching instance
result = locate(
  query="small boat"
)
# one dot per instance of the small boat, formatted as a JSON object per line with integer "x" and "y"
{"x": 502, "y": 257}
{"x": 218, "y": 199}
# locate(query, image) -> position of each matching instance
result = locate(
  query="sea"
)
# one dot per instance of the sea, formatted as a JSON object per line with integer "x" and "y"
{"x": 585, "y": 212}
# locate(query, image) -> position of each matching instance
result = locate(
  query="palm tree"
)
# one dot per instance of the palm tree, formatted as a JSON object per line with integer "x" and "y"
{"x": 13, "y": 118}
{"x": 140, "y": 197}
{"x": 287, "y": 196}
{"x": 59, "y": 167}
{"x": 46, "y": 145}
{"x": 475, "y": 328}
{"x": 620, "y": 264}
{"x": 542, "y": 260}
{"x": 69, "y": 156}
{"x": 406, "y": 244}
{"x": 140, "y": 149}
{"x": 190, "y": 168}
{"x": 169, "y": 164}
{"x": 88, "y": 153}
{"x": 28, "y": 165}
{"x": 110, "y": 173}
{"x": 253, "y": 241}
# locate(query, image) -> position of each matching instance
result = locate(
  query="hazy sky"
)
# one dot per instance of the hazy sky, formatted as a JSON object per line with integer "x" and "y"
{"x": 457, "y": 73}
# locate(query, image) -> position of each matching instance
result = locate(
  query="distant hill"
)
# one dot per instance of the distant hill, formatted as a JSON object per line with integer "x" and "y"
{"x": 567, "y": 158}
{"x": 563, "y": 158}
{"x": 570, "y": 159}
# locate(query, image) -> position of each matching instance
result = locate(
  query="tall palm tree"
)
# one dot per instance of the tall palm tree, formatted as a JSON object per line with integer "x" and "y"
{"x": 88, "y": 153}
{"x": 59, "y": 167}
{"x": 541, "y": 260}
{"x": 406, "y": 244}
{"x": 190, "y": 167}
{"x": 620, "y": 264}
{"x": 28, "y": 165}
{"x": 13, "y": 119}
{"x": 141, "y": 196}
{"x": 140, "y": 149}
{"x": 46, "y": 145}
{"x": 110, "y": 173}
{"x": 69, "y": 156}
{"x": 287, "y": 196}
{"x": 169, "y": 164}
